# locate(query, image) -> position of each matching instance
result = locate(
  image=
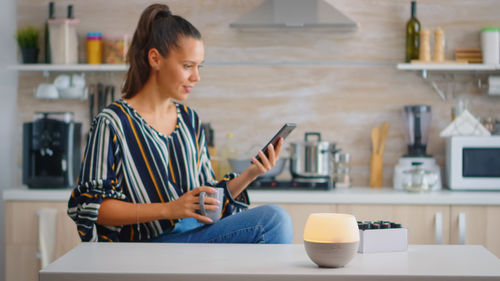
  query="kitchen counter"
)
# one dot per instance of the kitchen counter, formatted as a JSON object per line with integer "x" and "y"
{"x": 355, "y": 195}
{"x": 166, "y": 261}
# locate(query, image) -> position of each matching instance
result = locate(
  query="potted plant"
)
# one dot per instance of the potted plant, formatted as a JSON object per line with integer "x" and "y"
{"x": 27, "y": 38}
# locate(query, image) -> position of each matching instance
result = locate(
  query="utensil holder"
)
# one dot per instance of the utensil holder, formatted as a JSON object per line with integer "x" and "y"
{"x": 376, "y": 165}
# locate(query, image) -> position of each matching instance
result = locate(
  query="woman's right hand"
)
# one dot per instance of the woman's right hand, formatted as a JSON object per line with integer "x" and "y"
{"x": 188, "y": 205}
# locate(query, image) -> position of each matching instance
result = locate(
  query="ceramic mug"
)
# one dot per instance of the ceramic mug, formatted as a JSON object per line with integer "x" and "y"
{"x": 214, "y": 215}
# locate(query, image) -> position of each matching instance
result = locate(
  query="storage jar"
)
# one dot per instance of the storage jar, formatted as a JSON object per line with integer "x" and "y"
{"x": 94, "y": 48}
{"x": 63, "y": 41}
{"x": 490, "y": 45}
{"x": 115, "y": 49}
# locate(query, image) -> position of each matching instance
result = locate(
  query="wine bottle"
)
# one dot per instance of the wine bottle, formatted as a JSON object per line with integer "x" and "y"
{"x": 46, "y": 34}
{"x": 412, "y": 35}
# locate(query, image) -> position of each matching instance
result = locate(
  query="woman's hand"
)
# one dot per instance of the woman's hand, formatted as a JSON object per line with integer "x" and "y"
{"x": 266, "y": 162}
{"x": 188, "y": 205}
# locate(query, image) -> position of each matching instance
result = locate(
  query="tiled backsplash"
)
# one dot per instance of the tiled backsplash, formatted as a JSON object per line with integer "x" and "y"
{"x": 340, "y": 84}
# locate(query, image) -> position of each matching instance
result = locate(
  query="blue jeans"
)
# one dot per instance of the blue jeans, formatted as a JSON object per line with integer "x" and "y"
{"x": 268, "y": 224}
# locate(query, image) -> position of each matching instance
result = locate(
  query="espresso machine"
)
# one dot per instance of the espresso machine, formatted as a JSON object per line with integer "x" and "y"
{"x": 51, "y": 150}
{"x": 416, "y": 125}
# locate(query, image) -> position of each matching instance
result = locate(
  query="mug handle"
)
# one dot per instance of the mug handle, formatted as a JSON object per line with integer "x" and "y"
{"x": 202, "y": 195}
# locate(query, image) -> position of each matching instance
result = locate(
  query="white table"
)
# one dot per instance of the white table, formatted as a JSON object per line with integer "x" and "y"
{"x": 151, "y": 261}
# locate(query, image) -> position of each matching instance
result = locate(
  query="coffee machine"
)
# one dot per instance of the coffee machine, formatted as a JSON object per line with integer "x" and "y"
{"x": 51, "y": 150}
{"x": 416, "y": 124}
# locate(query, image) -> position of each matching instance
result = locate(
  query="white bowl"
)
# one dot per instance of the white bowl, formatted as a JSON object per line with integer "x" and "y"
{"x": 62, "y": 81}
{"x": 71, "y": 93}
{"x": 46, "y": 91}
{"x": 240, "y": 165}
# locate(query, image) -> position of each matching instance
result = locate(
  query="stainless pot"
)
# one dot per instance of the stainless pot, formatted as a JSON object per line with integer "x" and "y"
{"x": 311, "y": 159}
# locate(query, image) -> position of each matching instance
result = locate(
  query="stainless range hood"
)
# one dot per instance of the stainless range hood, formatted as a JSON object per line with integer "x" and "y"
{"x": 296, "y": 14}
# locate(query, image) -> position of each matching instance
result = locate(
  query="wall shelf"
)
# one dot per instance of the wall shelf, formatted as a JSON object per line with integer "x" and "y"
{"x": 68, "y": 67}
{"x": 449, "y": 70}
{"x": 124, "y": 67}
{"x": 449, "y": 67}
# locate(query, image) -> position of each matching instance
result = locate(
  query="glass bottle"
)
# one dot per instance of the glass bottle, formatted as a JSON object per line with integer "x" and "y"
{"x": 227, "y": 151}
{"x": 412, "y": 35}
{"x": 342, "y": 170}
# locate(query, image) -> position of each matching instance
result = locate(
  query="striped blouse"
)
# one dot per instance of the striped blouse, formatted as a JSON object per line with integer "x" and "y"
{"x": 128, "y": 160}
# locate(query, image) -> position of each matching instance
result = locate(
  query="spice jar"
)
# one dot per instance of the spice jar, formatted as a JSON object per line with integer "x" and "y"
{"x": 94, "y": 48}
{"x": 115, "y": 49}
{"x": 342, "y": 170}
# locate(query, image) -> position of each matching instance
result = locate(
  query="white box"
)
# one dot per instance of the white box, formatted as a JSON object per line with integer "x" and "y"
{"x": 383, "y": 240}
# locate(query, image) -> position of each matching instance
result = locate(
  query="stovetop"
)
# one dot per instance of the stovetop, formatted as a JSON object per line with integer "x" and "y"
{"x": 294, "y": 184}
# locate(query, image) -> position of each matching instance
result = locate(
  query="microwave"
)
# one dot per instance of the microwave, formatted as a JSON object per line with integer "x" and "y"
{"x": 473, "y": 163}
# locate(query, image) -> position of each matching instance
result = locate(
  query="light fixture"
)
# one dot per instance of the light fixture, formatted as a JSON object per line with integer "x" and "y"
{"x": 331, "y": 239}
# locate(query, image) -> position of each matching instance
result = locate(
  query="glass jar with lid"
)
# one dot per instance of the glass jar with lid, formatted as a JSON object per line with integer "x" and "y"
{"x": 115, "y": 48}
{"x": 419, "y": 180}
{"x": 342, "y": 170}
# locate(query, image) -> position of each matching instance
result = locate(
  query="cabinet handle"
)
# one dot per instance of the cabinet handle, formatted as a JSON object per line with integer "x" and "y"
{"x": 438, "y": 220}
{"x": 462, "y": 233}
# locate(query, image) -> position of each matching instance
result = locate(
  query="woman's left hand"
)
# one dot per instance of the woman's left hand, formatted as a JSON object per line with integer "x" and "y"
{"x": 266, "y": 162}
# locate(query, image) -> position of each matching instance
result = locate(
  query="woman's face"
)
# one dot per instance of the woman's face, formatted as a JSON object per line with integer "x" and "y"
{"x": 179, "y": 71}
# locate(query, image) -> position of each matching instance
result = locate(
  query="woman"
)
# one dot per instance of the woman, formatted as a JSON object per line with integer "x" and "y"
{"x": 146, "y": 159}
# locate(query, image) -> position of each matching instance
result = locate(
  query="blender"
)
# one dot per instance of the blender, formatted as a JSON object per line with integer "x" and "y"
{"x": 416, "y": 124}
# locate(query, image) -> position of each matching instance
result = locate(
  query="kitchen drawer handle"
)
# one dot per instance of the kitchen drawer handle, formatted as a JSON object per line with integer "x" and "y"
{"x": 462, "y": 234}
{"x": 438, "y": 220}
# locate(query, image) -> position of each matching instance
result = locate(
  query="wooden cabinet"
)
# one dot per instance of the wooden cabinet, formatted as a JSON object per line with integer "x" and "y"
{"x": 299, "y": 214}
{"x": 427, "y": 224}
{"x": 476, "y": 225}
{"x": 21, "y": 237}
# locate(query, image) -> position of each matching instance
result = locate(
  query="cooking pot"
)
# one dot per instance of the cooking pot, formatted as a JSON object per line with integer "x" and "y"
{"x": 240, "y": 165}
{"x": 312, "y": 159}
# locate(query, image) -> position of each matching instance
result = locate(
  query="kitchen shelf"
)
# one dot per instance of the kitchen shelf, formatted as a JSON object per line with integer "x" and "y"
{"x": 69, "y": 67}
{"x": 124, "y": 67}
{"x": 400, "y": 66}
{"x": 448, "y": 68}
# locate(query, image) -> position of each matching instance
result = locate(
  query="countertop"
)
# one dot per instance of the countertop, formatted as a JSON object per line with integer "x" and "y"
{"x": 355, "y": 195}
{"x": 170, "y": 261}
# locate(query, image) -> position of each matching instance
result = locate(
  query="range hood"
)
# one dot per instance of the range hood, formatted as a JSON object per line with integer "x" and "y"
{"x": 296, "y": 14}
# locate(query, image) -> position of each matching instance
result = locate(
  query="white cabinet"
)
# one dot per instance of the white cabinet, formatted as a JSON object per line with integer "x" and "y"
{"x": 21, "y": 237}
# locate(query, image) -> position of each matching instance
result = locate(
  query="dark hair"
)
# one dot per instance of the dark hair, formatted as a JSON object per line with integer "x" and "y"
{"x": 157, "y": 28}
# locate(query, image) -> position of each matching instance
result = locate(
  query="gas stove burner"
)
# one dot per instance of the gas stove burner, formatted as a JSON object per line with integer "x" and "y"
{"x": 291, "y": 185}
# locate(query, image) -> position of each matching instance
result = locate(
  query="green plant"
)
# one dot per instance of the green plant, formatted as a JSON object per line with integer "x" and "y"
{"x": 27, "y": 37}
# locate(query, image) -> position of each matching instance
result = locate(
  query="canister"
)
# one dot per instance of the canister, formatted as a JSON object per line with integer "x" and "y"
{"x": 115, "y": 48}
{"x": 490, "y": 45}
{"x": 94, "y": 48}
{"x": 63, "y": 41}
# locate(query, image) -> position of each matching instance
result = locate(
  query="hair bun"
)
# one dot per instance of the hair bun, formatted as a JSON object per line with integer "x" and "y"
{"x": 163, "y": 14}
